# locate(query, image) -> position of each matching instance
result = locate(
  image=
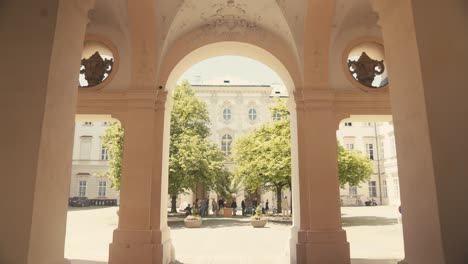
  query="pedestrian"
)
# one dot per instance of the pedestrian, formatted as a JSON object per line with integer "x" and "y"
{"x": 221, "y": 203}
{"x": 267, "y": 206}
{"x": 285, "y": 206}
{"x": 243, "y": 207}
{"x": 203, "y": 207}
{"x": 188, "y": 210}
{"x": 234, "y": 207}
{"x": 214, "y": 207}
{"x": 196, "y": 206}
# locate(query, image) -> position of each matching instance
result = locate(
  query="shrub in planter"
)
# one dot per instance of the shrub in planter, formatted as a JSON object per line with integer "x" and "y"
{"x": 258, "y": 220}
{"x": 193, "y": 221}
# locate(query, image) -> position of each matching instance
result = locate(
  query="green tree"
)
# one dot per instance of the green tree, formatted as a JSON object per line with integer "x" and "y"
{"x": 263, "y": 156}
{"x": 353, "y": 167}
{"x": 193, "y": 159}
{"x": 113, "y": 142}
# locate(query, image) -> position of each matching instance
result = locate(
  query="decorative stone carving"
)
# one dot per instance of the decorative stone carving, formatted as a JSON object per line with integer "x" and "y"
{"x": 366, "y": 69}
{"x": 95, "y": 68}
{"x": 230, "y": 18}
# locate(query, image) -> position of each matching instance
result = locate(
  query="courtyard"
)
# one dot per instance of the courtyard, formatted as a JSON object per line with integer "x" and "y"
{"x": 374, "y": 233}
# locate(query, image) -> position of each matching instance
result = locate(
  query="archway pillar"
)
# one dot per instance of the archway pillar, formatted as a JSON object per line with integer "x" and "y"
{"x": 142, "y": 235}
{"x": 426, "y": 51}
{"x": 43, "y": 41}
{"x": 321, "y": 238}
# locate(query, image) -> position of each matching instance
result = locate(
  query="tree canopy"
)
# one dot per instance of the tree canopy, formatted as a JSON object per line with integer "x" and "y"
{"x": 263, "y": 156}
{"x": 113, "y": 142}
{"x": 353, "y": 167}
{"x": 194, "y": 159}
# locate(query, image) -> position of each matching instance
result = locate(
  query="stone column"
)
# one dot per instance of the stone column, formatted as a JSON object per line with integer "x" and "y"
{"x": 42, "y": 43}
{"x": 426, "y": 51}
{"x": 320, "y": 238}
{"x": 141, "y": 237}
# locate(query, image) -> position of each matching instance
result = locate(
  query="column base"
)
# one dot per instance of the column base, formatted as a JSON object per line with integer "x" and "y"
{"x": 141, "y": 246}
{"x": 319, "y": 247}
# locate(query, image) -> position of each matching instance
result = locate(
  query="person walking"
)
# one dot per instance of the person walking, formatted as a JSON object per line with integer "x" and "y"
{"x": 267, "y": 206}
{"x": 285, "y": 206}
{"x": 203, "y": 207}
{"x": 234, "y": 207}
{"x": 243, "y": 207}
{"x": 214, "y": 207}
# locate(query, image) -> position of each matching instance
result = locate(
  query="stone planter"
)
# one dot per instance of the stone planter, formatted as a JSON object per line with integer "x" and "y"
{"x": 193, "y": 223}
{"x": 227, "y": 212}
{"x": 259, "y": 223}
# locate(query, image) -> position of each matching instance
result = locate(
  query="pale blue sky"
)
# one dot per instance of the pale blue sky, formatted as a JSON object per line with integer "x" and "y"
{"x": 232, "y": 67}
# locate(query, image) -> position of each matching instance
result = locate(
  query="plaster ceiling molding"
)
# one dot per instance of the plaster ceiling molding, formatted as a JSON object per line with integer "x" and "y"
{"x": 111, "y": 14}
{"x": 354, "y": 20}
{"x": 230, "y": 20}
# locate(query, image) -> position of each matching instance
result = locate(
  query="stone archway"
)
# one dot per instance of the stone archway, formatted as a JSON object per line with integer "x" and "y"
{"x": 188, "y": 57}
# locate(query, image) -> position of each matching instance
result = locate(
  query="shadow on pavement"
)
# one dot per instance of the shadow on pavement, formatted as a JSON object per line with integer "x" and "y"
{"x": 80, "y": 261}
{"x": 374, "y": 261}
{"x": 368, "y": 221}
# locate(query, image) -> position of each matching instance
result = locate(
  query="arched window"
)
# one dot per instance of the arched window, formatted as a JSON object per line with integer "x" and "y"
{"x": 226, "y": 141}
{"x": 252, "y": 114}
{"x": 227, "y": 114}
{"x": 277, "y": 116}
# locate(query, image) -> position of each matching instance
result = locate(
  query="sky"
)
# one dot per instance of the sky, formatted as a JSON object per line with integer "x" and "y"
{"x": 242, "y": 69}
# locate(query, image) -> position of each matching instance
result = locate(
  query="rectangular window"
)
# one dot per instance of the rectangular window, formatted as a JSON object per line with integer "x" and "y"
{"x": 348, "y": 124}
{"x": 102, "y": 189}
{"x": 396, "y": 187}
{"x": 352, "y": 190}
{"x": 85, "y": 147}
{"x": 370, "y": 151}
{"x": 350, "y": 146}
{"x": 104, "y": 154}
{"x": 87, "y": 123}
{"x": 82, "y": 189}
{"x": 392, "y": 146}
{"x": 105, "y": 123}
{"x": 382, "y": 149}
{"x": 384, "y": 189}
{"x": 372, "y": 189}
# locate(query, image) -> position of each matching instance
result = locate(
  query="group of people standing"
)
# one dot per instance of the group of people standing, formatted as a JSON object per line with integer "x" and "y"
{"x": 201, "y": 207}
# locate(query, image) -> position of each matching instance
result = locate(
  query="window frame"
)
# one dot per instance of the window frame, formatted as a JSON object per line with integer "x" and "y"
{"x": 227, "y": 114}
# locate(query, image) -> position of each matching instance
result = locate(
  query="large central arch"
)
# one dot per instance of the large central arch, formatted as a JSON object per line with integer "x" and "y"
{"x": 181, "y": 58}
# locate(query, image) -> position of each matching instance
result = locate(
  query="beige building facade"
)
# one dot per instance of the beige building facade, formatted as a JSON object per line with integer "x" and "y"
{"x": 90, "y": 161}
{"x": 419, "y": 44}
{"x": 375, "y": 140}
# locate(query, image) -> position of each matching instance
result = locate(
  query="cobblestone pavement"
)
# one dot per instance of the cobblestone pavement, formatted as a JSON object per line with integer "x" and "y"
{"x": 374, "y": 233}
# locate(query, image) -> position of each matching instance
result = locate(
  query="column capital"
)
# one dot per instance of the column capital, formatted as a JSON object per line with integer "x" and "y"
{"x": 160, "y": 102}
{"x": 314, "y": 99}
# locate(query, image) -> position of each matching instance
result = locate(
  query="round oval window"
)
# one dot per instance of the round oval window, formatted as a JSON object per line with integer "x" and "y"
{"x": 97, "y": 64}
{"x": 366, "y": 65}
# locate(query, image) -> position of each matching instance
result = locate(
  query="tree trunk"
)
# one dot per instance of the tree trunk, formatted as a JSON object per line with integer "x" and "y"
{"x": 278, "y": 200}
{"x": 174, "y": 204}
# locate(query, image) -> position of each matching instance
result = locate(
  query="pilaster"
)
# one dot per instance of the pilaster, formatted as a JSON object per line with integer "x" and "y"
{"x": 38, "y": 102}
{"x": 320, "y": 238}
{"x": 141, "y": 236}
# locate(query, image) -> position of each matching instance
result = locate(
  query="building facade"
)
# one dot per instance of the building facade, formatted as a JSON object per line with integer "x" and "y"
{"x": 90, "y": 160}
{"x": 377, "y": 142}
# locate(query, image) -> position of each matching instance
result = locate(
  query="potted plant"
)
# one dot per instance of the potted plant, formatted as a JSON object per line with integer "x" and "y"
{"x": 258, "y": 220}
{"x": 193, "y": 221}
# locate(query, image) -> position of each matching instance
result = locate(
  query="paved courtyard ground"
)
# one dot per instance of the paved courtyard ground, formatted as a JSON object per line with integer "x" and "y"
{"x": 373, "y": 232}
